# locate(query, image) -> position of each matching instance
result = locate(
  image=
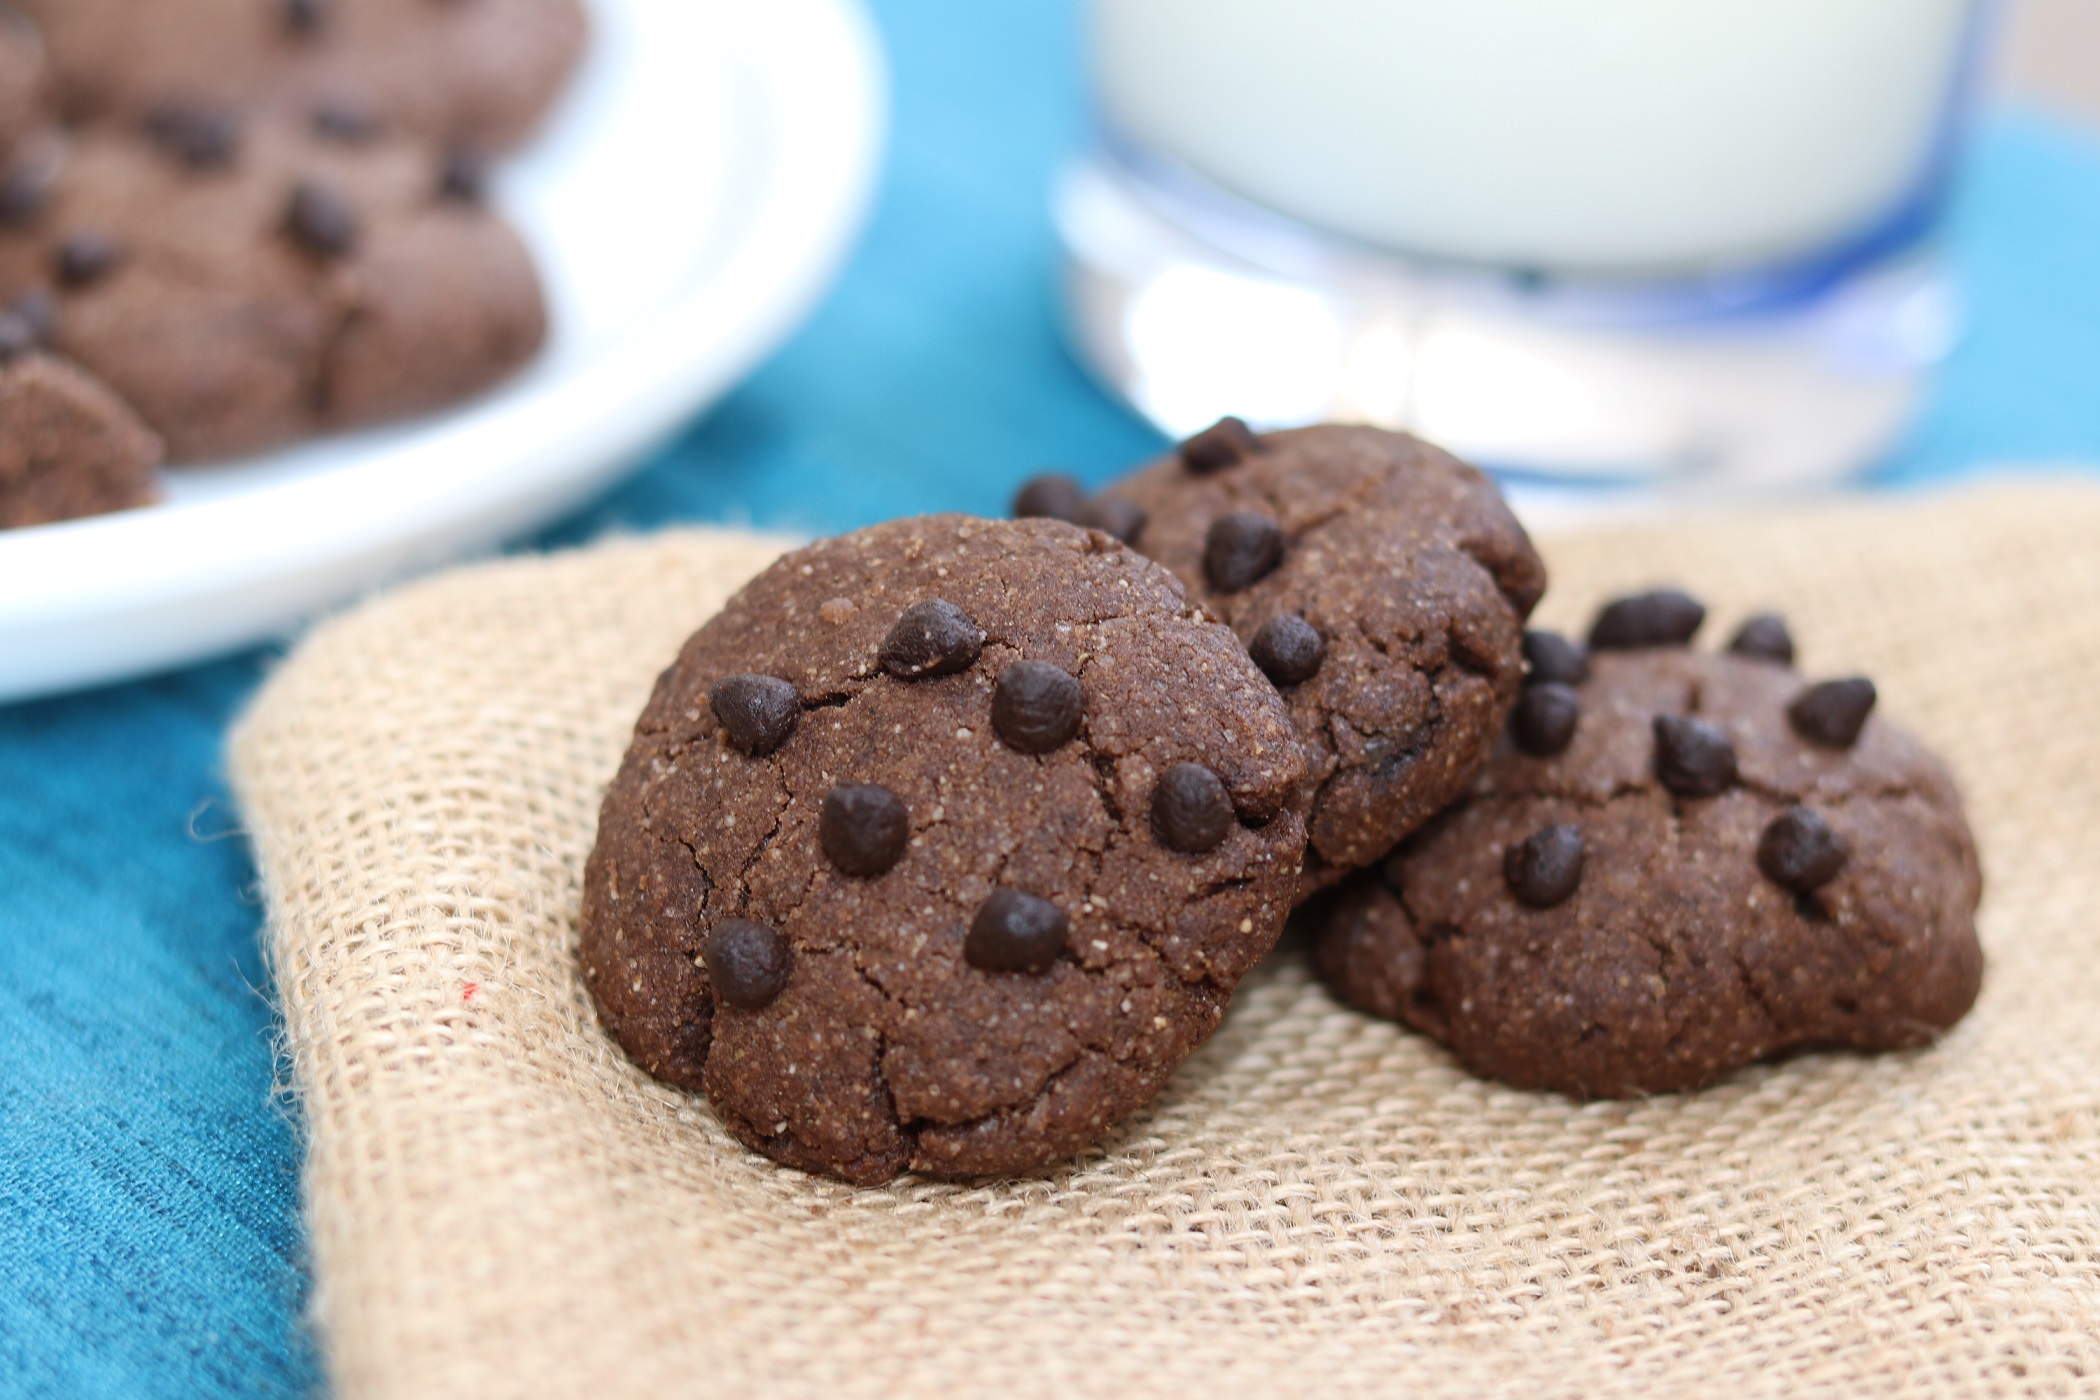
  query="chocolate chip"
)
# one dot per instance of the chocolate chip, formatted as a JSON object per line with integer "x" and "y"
{"x": 1036, "y": 707}
{"x": 747, "y": 963}
{"x": 1692, "y": 758}
{"x": 1112, "y": 515}
{"x": 1191, "y": 809}
{"x": 17, "y": 336}
{"x": 1833, "y": 712}
{"x": 464, "y": 176}
{"x": 1765, "y": 637}
{"x": 305, "y": 17}
{"x": 202, "y": 138}
{"x": 1052, "y": 494}
{"x": 321, "y": 222}
{"x": 1224, "y": 443}
{"x": 85, "y": 258}
{"x": 1800, "y": 852}
{"x": 1288, "y": 649}
{"x": 1546, "y": 867}
{"x": 757, "y": 712}
{"x": 1543, "y": 723}
{"x": 1551, "y": 657}
{"x": 346, "y": 120}
{"x": 1242, "y": 548}
{"x": 24, "y": 191}
{"x": 932, "y": 638}
{"x": 1663, "y": 618}
{"x": 863, "y": 828}
{"x": 1015, "y": 932}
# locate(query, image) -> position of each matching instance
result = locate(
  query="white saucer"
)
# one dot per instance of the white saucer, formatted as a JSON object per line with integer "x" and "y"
{"x": 688, "y": 204}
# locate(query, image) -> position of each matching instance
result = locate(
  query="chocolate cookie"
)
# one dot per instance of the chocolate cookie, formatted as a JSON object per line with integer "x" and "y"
{"x": 68, "y": 446}
{"x": 1382, "y": 585}
{"x": 476, "y": 72}
{"x": 243, "y": 284}
{"x": 1721, "y": 862}
{"x": 941, "y": 847}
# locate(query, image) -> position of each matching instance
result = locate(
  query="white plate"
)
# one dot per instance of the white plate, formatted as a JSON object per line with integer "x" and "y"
{"x": 688, "y": 203}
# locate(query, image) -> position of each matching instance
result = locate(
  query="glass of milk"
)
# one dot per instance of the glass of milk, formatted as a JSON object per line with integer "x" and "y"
{"x": 1666, "y": 242}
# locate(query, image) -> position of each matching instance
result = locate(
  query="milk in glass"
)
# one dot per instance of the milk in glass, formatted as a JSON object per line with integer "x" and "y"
{"x": 1584, "y": 136}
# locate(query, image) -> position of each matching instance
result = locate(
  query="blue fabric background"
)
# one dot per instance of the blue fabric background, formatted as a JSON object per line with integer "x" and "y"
{"x": 149, "y": 1239}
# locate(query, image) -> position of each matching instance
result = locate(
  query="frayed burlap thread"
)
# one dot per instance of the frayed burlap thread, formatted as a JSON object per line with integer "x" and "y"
{"x": 1320, "y": 1205}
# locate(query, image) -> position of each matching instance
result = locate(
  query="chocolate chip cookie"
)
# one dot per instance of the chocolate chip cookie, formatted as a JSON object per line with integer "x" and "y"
{"x": 243, "y": 284}
{"x": 68, "y": 446}
{"x": 1381, "y": 584}
{"x": 941, "y": 847}
{"x": 1710, "y": 860}
{"x": 475, "y": 72}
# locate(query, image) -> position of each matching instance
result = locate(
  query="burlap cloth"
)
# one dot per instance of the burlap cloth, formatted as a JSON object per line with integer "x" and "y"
{"x": 1320, "y": 1204}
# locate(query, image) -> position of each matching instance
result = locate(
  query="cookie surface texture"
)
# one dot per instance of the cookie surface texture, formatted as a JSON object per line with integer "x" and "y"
{"x": 68, "y": 446}
{"x": 1024, "y": 963}
{"x": 23, "y": 89}
{"x": 1823, "y": 897}
{"x": 1413, "y": 575}
{"x": 243, "y": 284}
{"x": 478, "y": 72}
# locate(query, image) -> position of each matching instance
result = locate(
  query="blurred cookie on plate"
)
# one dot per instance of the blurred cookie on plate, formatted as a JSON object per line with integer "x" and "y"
{"x": 476, "y": 73}
{"x": 244, "y": 283}
{"x": 68, "y": 446}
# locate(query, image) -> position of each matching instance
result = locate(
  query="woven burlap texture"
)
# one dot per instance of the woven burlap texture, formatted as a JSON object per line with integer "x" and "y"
{"x": 1320, "y": 1205}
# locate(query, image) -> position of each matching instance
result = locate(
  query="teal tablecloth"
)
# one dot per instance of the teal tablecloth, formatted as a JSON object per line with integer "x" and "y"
{"x": 149, "y": 1238}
